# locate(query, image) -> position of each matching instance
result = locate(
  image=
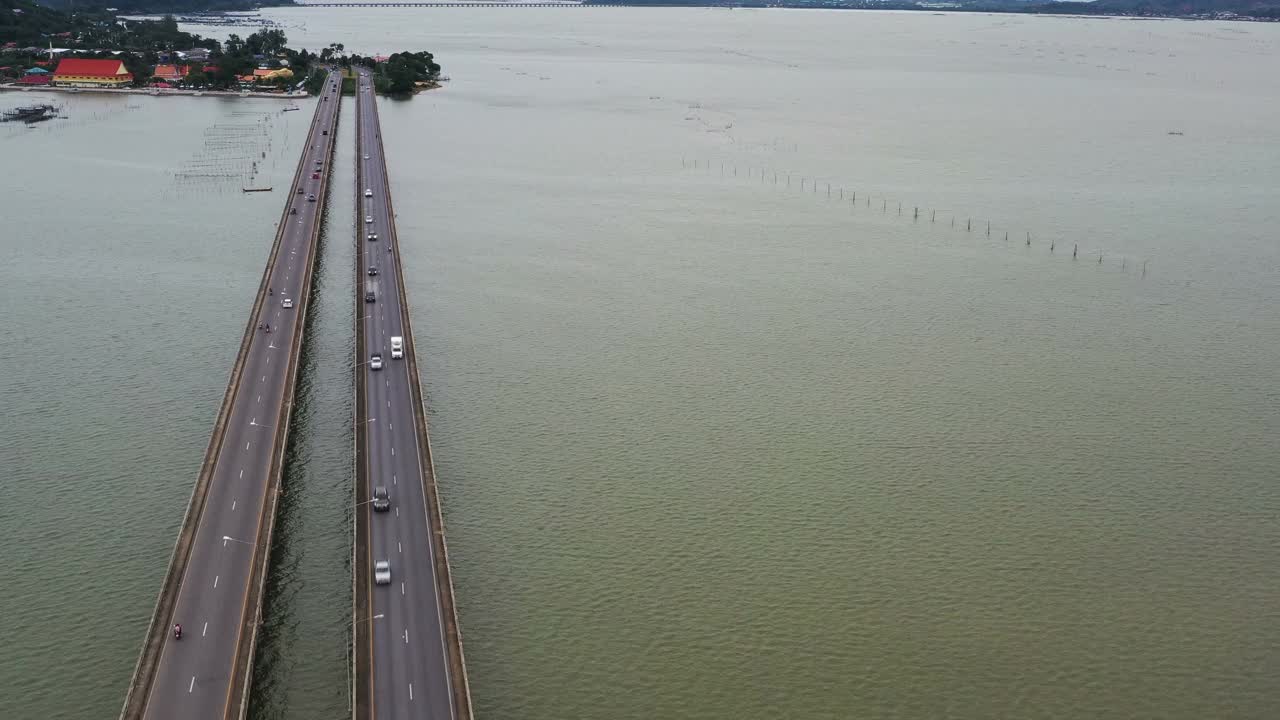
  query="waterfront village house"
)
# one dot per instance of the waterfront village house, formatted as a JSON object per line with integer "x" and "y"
{"x": 170, "y": 73}
{"x": 76, "y": 72}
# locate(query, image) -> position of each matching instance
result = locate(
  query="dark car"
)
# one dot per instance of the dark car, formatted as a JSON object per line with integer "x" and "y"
{"x": 293, "y": 211}
{"x": 372, "y": 237}
{"x": 299, "y": 191}
{"x": 368, "y": 297}
{"x": 324, "y": 132}
{"x": 381, "y": 499}
{"x": 373, "y": 271}
{"x": 311, "y": 198}
{"x": 315, "y": 176}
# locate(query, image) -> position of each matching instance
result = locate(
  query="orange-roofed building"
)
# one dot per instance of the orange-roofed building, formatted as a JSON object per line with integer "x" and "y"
{"x": 171, "y": 73}
{"x": 78, "y": 72}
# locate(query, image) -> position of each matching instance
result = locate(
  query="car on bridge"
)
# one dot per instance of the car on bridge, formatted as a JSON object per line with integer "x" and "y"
{"x": 368, "y": 192}
{"x": 375, "y": 362}
{"x": 381, "y": 499}
{"x": 368, "y": 219}
{"x": 372, "y": 237}
{"x": 311, "y": 198}
{"x": 382, "y": 572}
{"x": 287, "y": 304}
{"x": 373, "y": 271}
{"x": 369, "y": 297}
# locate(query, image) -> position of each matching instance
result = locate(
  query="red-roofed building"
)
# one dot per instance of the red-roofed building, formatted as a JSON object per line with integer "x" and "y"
{"x": 34, "y": 80}
{"x": 77, "y": 72}
{"x": 171, "y": 73}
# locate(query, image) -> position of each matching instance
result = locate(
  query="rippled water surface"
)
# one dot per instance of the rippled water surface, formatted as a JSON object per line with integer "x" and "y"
{"x": 717, "y": 437}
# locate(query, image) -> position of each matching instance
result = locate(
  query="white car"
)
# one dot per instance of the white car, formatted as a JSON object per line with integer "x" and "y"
{"x": 286, "y": 303}
{"x": 375, "y": 362}
{"x": 368, "y": 219}
{"x": 368, "y": 192}
{"x": 382, "y": 572}
{"x": 366, "y": 157}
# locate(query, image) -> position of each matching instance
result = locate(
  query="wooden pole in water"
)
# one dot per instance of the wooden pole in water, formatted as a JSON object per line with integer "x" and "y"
{"x": 916, "y": 215}
{"x": 855, "y": 197}
{"x": 1124, "y": 262}
{"x": 1144, "y": 268}
{"x": 1075, "y": 250}
{"x": 899, "y": 207}
{"x": 953, "y": 221}
{"x": 828, "y": 189}
{"x": 1099, "y": 258}
{"x": 1051, "y": 244}
{"x": 968, "y": 225}
{"x": 884, "y": 206}
{"x": 841, "y": 194}
{"x": 988, "y": 228}
{"x": 933, "y": 218}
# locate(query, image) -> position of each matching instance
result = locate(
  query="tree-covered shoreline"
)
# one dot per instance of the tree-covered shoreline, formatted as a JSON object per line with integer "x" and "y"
{"x": 260, "y": 61}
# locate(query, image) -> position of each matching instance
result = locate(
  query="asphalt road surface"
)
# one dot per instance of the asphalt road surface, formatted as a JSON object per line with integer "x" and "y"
{"x": 194, "y": 676}
{"x": 410, "y": 668}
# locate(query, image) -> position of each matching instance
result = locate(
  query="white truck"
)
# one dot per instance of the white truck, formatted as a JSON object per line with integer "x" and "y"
{"x": 397, "y": 347}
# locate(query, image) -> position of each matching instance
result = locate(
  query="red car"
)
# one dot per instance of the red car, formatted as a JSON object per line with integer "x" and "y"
{"x": 315, "y": 176}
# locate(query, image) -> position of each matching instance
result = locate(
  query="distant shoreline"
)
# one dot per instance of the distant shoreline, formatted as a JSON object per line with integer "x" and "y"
{"x": 155, "y": 92}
